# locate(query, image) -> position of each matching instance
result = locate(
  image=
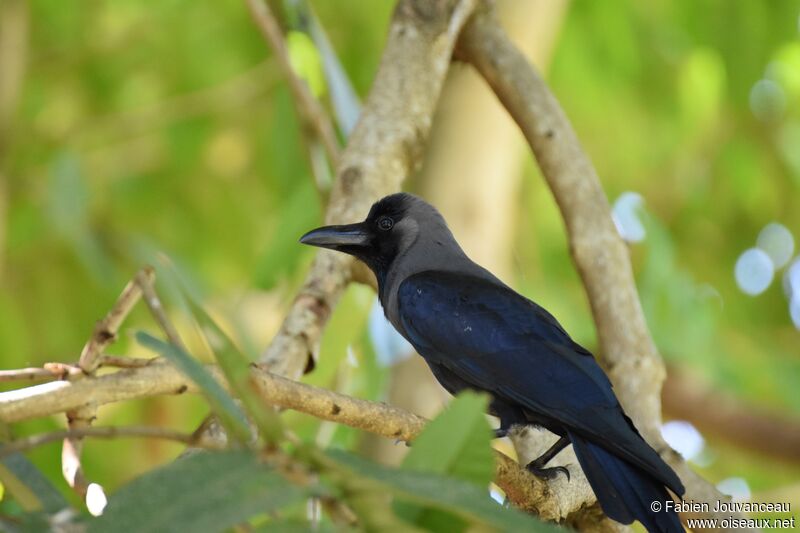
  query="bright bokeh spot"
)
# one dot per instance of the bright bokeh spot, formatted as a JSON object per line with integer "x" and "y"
{"x": 626, "y": 214}
{"x": 497, "y": 496}
{"x": 794, "y": 309}
{"x": 95, "y": 499}
{"x": 735, "y": 487}
{"x": 778, "y": 243}
{"x": 390, "y": 347}
{"x": 684, "y": 438}
{"x": 785, "y": 68}
{"x": 701, "y": 87}
{"x": 754, "y": 271}
{"x": 767, "y": 100}
{"x": 791, "y": 279}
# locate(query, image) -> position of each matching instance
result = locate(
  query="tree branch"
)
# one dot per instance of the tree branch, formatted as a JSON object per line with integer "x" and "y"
{"x": 144, "y": 280}
{"x": 53, "y": 371}
{"x": 522, "y": 489}
{"x": 383, "y": 149}
{"x": 105, "y": 332}
{"x": 28, "y": 374}
{"x": 627, "y": 350}
{"x": 80, "y": 418}
{"x": 759, "y": 430}
{"x": 109, "y": 432}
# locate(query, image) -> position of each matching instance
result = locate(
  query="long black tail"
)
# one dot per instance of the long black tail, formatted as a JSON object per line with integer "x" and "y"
{"x": 624, "y": 491}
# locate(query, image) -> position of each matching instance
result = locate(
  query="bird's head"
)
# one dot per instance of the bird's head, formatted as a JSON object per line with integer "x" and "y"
{"x": 393, "y": 225}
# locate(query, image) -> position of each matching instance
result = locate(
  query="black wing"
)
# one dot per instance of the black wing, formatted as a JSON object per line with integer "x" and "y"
{"x": 500, "y": 342}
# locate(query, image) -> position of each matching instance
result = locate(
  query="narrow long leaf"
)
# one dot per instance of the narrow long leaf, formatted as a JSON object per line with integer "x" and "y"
{"x": 29, "y": 487}
{"x": 230, "y": 414}
{"x": 466, "y": 453}
{"x": 205, "y": 492}
{"x": 346, "y": 106}
{"x": 236, "y": 367}
{"x": 463, "y": 499}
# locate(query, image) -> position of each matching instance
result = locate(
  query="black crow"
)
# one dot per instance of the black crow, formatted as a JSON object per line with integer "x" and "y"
{"x": 477, "y": 333}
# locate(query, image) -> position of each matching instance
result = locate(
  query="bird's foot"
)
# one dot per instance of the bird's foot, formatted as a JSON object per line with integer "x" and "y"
{"x": 499, "y": 433}
{"x": 547, "y": 473}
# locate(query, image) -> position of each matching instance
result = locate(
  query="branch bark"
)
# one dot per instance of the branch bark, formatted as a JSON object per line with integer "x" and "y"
{"x": 383, "y": 149}
{"x": 627, "y": 351}
{"x": 160, "y": 378}
{"x": 81, "y": 418}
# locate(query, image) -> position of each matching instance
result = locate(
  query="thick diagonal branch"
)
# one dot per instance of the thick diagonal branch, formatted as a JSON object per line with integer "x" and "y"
{"x": 627, "y": 350}
{"x": 597, "y": 249}
{"x": 383, "y": 150}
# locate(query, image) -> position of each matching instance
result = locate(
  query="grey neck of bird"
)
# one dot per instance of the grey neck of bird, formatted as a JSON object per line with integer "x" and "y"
{"x": 430, "y": 251}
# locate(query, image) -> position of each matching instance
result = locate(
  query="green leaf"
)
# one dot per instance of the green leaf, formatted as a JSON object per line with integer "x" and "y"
{"x": 29, "y": 487}
{"x": 466, "y": 453}
{"x": 343, "y": 97}
{"x": 236, "y": 367}
{"x": 230, "y": 414}
{"x": 457, "y": 442}
{"x": 463, "y": 499}
{"x": 202, "y": 492}
{"x": 284, "y": 525}
{"x": 305, "y": 61}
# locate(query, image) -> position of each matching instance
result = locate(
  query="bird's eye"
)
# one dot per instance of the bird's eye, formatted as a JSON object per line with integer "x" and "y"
{"x": 385, "y": 223}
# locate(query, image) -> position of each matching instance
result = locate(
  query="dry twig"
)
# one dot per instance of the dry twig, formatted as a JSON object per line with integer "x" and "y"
{"x": 53, "y": 371}
{"x": 111, "y": 432}
{"x": 308, "y": 106}
{"x": 28, "y": 374}
{"x": 757, "y": 429}
{"x": 105, "y": 332}
{"x": 144, "y": 280}
{"x": 80, "y": 419}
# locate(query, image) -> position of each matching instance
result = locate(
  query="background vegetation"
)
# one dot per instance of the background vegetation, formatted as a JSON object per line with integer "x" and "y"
{"x": 147, "y": 130}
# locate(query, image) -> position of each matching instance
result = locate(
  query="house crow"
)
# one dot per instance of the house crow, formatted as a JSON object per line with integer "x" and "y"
{"x": 477, "y": 333}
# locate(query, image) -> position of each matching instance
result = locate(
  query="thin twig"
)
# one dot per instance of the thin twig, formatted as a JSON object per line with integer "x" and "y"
{"x": 53, "y": 371}
{"x": 111, "y": 432}
{"x": 81, "y": 418}
{"x": 28, "y": 374}
{"x": 308, "y": 106}
{"x": 153, "y": 302}
{"x": 121, "y": 361}
{"x": 105, "y": 332}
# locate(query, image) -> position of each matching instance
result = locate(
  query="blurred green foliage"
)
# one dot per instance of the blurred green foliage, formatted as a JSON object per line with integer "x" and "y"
{"x": 148, "y": 131}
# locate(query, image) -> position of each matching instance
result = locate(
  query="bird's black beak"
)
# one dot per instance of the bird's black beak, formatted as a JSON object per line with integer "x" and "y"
{"x": 337, "y": 237}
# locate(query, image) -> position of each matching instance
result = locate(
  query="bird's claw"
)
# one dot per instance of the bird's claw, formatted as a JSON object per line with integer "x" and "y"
{"x": 547, "y": 473}
{"x": 499, "y": 433}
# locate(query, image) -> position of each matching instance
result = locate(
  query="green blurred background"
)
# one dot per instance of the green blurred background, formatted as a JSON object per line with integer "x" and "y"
{"x": 142, "y": 131}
